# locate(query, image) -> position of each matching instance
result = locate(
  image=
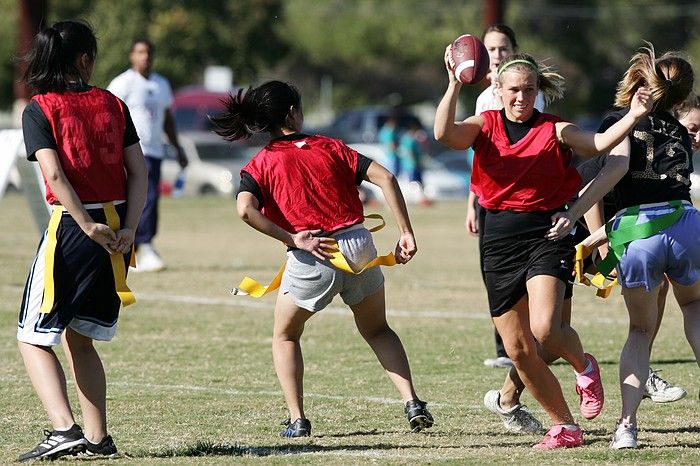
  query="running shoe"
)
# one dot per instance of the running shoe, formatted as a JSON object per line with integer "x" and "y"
{"x": 418, "y": 415}
{"x": 299, "y": 428}
{"x": 660, "y": 390}
{"x": 590, "y": 389}
{"x": 57, "y": 444}
{"x": 498, "y": 362}
{"x": 625, "y": 437}
{"x": 561, "y": 437}
{"x": 516, "y": 419}
{"x": 106, "y": 448}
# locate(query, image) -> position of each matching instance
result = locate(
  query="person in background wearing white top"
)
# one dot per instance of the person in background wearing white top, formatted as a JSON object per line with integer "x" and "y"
{"x": 500, "y": 42}
{"x": 149, "y": 98}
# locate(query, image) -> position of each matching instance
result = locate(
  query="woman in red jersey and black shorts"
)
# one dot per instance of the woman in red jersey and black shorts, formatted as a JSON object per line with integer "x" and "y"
{"x": 302, "y": 190}
{"x": 523, "y": 174}
{"x": 95, "y": 176}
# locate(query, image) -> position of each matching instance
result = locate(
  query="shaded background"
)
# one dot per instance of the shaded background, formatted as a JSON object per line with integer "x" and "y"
{"x": 371, "y": 51}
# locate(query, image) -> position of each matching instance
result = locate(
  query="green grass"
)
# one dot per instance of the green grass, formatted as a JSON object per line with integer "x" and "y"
{"x": 190, "y": 376}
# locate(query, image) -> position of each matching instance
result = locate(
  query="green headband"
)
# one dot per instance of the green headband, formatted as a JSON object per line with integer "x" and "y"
{"x": 515, "y": 62}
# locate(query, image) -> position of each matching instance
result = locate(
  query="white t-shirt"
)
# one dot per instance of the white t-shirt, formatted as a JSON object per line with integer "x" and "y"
{"x": 487, "y": 100}
{"x": 147, "y": 99}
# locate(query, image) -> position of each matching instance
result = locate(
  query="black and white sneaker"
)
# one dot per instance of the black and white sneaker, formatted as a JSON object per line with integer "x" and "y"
{"x": 418, "y": 415}
{"x": 57, "y": 444}
{"x": 106, "y": 448}
{"x": 299, "y": 428}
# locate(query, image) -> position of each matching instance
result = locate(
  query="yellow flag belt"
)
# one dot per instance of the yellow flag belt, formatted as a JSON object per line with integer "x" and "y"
{"x": 126, "y": 296}
{"x": 251, "y": 287}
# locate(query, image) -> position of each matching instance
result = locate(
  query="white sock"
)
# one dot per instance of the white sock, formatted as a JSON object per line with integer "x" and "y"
{"x": 589, "y": 368}
{"x": 62, "y": 429}
{"x": 570, "y": 427}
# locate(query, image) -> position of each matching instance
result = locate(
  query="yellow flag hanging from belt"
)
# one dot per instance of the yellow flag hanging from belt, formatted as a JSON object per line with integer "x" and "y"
{"x": 126, "y": 296}
{"x": 252, "y": 287}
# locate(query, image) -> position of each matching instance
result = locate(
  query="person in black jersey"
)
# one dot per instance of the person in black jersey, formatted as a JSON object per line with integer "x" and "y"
{"x": 654, "y": 233}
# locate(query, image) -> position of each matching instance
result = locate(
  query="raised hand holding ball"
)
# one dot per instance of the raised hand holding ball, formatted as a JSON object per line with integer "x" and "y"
{"x": 469, "y": 59}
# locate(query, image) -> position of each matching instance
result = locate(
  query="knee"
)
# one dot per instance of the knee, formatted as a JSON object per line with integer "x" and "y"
{"x": 77, "y": 342}
{"x": 545, "y": 333}
{"x": 519, "y": 351}
{"x": 641, "y": 330}
{"x": 370, "y": 333}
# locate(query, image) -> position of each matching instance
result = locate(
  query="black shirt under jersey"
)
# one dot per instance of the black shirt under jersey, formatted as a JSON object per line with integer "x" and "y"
{"x": 38, "y": 133}
{"x": 499, "y": 224}
{"x": 248, "y": 183}
{"x": 660, "y": 160}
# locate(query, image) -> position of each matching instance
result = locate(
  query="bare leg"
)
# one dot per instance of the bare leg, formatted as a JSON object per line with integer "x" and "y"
{"x": 90, "y": 380}
{"x": 548, "y": 324}
{"x": 663, "y": 292}
{"x": 642, "y": 307}
{"x": 286, "y": 352}
{"x": 513, "y": 387}
{"x": 514, "y": 327}
{"x": 49, "y": 382}
{"x": 370, "y": 318}
{"x": 688, "y": 298}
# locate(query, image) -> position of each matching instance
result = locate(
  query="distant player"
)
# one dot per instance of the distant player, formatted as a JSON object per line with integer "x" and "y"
{"x": 302, "y": 190}
{"x": 95, "y": 175}
{"x": 523, "y": 174}
{"x": 149, "y": 98}
{"x": 655, "y": 232}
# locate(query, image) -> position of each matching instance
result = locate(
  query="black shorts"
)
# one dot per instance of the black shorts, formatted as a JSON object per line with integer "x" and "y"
{"x": 85, "y": 297}
{"x": 510, "y": 262}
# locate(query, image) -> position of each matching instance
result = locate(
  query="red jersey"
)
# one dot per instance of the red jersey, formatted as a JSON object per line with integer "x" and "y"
{"x": 88, "y": 128}
{"x": 308, "y": 183}
{"x": 534, "y": 174}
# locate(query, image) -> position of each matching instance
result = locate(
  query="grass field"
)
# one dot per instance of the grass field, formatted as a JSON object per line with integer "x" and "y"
{"x": 190, "y": 376}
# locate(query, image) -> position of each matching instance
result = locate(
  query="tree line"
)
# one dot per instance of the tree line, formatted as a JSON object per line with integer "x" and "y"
{"x": 375, "y": 51}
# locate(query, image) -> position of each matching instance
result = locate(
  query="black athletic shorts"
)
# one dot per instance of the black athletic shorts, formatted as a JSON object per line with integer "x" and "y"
{"x": 509, "y": 262}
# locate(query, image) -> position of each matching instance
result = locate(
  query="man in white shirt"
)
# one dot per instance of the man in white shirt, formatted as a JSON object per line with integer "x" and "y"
{"x": 149, "y": 98}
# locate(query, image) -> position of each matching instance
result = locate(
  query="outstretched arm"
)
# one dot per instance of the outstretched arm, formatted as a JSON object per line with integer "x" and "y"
{"x": 615, "y": 168}
{"x": 406, "y": 247}
{"x": 588, "y": 143}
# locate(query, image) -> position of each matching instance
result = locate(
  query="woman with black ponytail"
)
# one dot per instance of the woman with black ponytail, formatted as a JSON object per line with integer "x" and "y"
{"x": 302, "y": 190}
{"x": 95, "y": 176}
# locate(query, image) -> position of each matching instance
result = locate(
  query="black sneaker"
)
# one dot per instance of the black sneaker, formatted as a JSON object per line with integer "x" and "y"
{"x": 418, "y": 415}
{"x": 299, "y": 428}
{"x": 105, "y": 448}
{"x": 57, "y": 444}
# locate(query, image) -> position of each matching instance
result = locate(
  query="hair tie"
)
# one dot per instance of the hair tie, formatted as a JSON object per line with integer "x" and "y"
{"x": 515, "y": 62}
{"x": 669, "y": 83}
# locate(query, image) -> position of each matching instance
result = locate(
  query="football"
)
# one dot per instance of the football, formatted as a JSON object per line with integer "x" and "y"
{"x": 470, "y": 59}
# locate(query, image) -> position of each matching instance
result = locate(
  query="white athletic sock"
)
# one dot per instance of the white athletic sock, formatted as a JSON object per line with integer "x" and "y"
{"x": 570, "y": 427}
{"x": 62, "y": 429}
{"x": 589, "y": 368}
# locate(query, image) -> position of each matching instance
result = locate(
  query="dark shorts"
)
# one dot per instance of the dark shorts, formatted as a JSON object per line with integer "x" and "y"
{"x": 85, "y": 295}
{"x": 509, "y": 263}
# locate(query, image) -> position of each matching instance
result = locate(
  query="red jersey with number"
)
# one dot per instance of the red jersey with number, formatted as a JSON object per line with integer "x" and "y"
{"x": 308, "y": 183}
{"x": 534, "y": 174}
{"x": 89, "y": 131}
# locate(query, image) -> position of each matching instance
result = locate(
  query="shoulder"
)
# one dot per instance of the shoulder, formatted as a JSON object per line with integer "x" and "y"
{"x": 122, "y": 77}
{"x": 159, "y": 78}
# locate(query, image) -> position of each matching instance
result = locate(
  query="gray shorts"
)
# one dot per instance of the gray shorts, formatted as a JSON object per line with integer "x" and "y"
{"x": 313, "y": 283}
{"x": 674, "y": 251}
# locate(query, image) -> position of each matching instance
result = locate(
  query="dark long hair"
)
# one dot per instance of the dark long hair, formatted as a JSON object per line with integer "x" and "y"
{"x": 261, "y": 109}
{"x": 503, "y": 29}
{"x": 51, "y": 61}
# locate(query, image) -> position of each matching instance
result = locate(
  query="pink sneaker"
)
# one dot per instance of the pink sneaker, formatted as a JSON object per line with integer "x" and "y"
{"x": 560, "y": 437}
{"x": 590, "y": 389}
